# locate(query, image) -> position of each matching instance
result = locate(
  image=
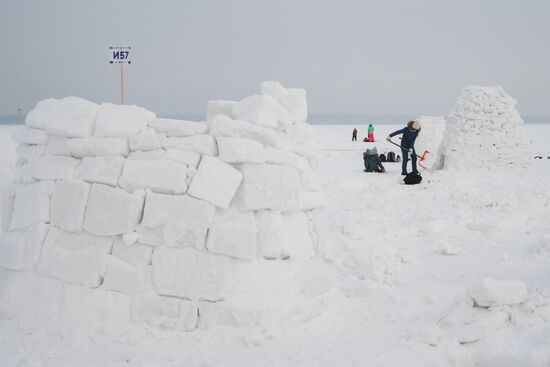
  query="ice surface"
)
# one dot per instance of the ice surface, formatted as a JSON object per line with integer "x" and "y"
{"x": 494, "y": 293}
{"x": 21, "y": 250}
{"x": 293, "y": 100}
{"x": 68, "y": 204}
{"x": 224, "y": 126}
{"x": 146, "y": 140}
{"x": 163, "y": 176}
{"x": 93, "y": 147}
{"x": 111, "y": 211}
{"x": 29, "y": 135}
{"x": 171, "y": 127}
{"x": 121, "y": 120}
{"x": 72, "y": 117}
{"x": 52, "y": 167}
{"x": 104, "y": 169}
{"x": 219, "y": 107}
{"x": 32, "y": 204}
{"x": 238, "y": 150}
{"x": 74, "y": 258}
{"x": 202, "y": 144}
{"x": 262, "y": 110}
{"x": 233, "y": 233}
{"x": 215, "y": 182}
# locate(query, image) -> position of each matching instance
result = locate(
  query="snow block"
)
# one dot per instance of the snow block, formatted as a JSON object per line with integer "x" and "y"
{"x": 215, "y": 182}
{"x": 494, "y": 293}
{"x": 170, "y": 127}
{"x": 93, "y": 147}
{"x": 73, "y": 117}
{"x": 7, "y": 199}
{"x": 191, "y": 159}
{"x": 27, "y": 153}
{"x": 301, "y": 133}
{"x": 32, "y": 204}
{"x": 262, "y": 110}
{"x": 123, "y": 277}
{"x": 238, "y": 150}
{"x": 51, "y": 167}
{"x": 69, "y": 204}
{"x": 21, "y": 250}
{"x": 105, "y": 169}
{"x": 57, "y": 145}
{"x": 37, "y": 116}
{"x": 164, "y": 176}
{"x": 74, "y": 258}
{"x": 111, "y": 211}
{"x": 148, "y": 155}
{"x": 29, "y": 135}
{"x": 166, "y": 313}
{"x": 136, "y": 255}
{"x": 297, "y": 242}
{"x": 268, "y": 186}
{"x": 146, "y": 140}
{"x": 233, "y": 233}
{"x": 219, "y": 107}
{"x": 270, "y": 233}
{"x": 202, "y": 144}
{"x": 215, "y": 314}
{"x": 183, "y": 221}
{"x": 189, "y": 273}
{"x": 224, "y": 126}
{"x": 293, "y": 100}
{"x": 120, "y": 121}
{"x": 277, "y": 156}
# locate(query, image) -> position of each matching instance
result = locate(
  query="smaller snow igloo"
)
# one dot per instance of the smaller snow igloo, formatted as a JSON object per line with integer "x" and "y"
{"x": 483, "y": 130}
{"x": 119, "y": 218}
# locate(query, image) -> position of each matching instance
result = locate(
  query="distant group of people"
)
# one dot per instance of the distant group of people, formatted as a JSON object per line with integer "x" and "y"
{"x": 368, "y": 139}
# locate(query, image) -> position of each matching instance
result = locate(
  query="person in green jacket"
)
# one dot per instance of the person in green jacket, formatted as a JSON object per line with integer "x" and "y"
{"x": 371, "y": 133}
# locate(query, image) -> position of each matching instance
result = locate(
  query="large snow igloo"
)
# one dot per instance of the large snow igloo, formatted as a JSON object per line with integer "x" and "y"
{"x": 483, "y": 130}
{"x": 117, "y": 217}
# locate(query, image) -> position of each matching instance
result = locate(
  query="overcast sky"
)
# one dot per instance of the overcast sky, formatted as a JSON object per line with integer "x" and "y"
{"x": 367, "y": 57}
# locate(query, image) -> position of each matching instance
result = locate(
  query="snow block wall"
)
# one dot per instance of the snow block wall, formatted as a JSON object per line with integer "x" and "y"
{"x": 484, "y": 129}
{"x": 117, "y": 216}
{"x": 430, "y": 136}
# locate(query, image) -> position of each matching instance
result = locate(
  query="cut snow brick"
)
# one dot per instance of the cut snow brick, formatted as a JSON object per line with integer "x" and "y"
{"x": 93, "y": 147}
{"x": 219, "y": 107}
{"x": 215, "y": 181}
{"x": 105, "y": 169}
{"x": 57, "y": 145}
{"x": 268, "y": 186}
{"x": 494, "y": 293}
{"x": 202, "y": 144}
{"x": 7, "y": 198}
{"x": 170, "y": 127}
{"x": 147, "y": 156}
{"x": 276, "y": 156}
{"x": 233, "y": 233}
{"x": 121, "y": 120}
{"x": 69, "y": 204}
{"x": 270, "y": 233}
{"x": 238, "y": 150}
{"x": 38, "y": 115}
{"x": 73, "y": 117}
{"x": 301, "y": 133}
{"x": 137, "y": 255}
{"x": 189, "y": 158}
{"x": 130, "y": 238}
{"x": 21, "y": 250}
{"x": 164, "y": 176}
{"x": 189, "y": 273}
{"x": 166, "y": 313}
{"x": 28, "y": 135}
{"x": 292, "y": 99}
{"x": 51, "y": 167}
{"x": 32, "y": 204}
{"x": 261, "y": 110}
{"x": 123, "y": 277}
{"x": 74, "y": 258}
{"x": 297, "y": 242}
{"x": 111, "y": 211}
{"x": 224, "y": 126}
{"x": 215, "y": 314}
{"x": 147, "y": 140}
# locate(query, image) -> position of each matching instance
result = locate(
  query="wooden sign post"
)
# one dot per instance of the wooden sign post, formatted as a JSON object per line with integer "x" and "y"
{"x": 120, "y": 55}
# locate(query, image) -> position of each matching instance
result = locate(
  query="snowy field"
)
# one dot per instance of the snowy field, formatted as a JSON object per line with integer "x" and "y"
{"x": 407, "y": 259}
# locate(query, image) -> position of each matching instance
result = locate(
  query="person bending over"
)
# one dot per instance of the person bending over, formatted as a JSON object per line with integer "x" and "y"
{"x": 372, "y": 161}
{"x": 407, "y": 145}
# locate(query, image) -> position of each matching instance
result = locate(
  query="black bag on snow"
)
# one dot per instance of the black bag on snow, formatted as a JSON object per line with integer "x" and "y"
{"x": 412, "y": 179}
{"x": 382, "y": 157}
{"x": 390, "y": 157}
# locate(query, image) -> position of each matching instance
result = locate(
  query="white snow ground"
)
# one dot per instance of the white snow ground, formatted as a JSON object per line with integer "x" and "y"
{"x": 407, "y": 258}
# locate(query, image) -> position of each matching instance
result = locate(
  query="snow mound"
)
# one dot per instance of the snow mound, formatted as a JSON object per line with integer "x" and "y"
{"x": 484, "y": 129}
{"x": 120, "y": 218}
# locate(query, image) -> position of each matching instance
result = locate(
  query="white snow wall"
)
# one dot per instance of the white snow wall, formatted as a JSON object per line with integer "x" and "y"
{"x": 117, "y": 217}
{"x": 483, "y": 130}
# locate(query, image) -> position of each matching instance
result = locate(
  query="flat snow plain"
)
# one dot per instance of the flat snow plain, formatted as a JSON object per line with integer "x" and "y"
{"x": 406, "y": 257}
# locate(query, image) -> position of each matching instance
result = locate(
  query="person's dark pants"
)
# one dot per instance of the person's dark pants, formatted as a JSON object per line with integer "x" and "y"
{"x": 405, "y": 153}
{"x": 354, "y": 138}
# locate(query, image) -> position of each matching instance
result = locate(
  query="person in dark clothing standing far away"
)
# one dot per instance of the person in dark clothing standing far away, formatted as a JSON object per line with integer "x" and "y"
{"x": 354, "y": 135}
{"x": 407, "y": 145}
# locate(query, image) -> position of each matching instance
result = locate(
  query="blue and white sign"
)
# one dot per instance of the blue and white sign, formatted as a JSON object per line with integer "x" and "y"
{"x": 120, "y": 55}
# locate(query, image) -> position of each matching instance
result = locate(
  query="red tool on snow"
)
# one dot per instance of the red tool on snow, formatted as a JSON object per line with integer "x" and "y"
{"x": 422, "y": 158}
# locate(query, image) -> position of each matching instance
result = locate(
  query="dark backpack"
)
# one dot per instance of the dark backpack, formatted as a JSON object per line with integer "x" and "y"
{"x": 412, "y": 179}
{"x": 382, "y": 157}
{"x": 391, "y": 157}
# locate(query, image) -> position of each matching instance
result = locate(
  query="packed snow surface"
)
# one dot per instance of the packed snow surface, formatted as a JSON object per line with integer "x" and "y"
{"x": 452, "y": 272}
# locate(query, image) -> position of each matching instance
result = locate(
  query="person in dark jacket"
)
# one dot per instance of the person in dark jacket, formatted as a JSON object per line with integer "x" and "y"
{"x": 354, "y": 135}
{"x": 407, "y": 145}
{"x": 372, "y": 161}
